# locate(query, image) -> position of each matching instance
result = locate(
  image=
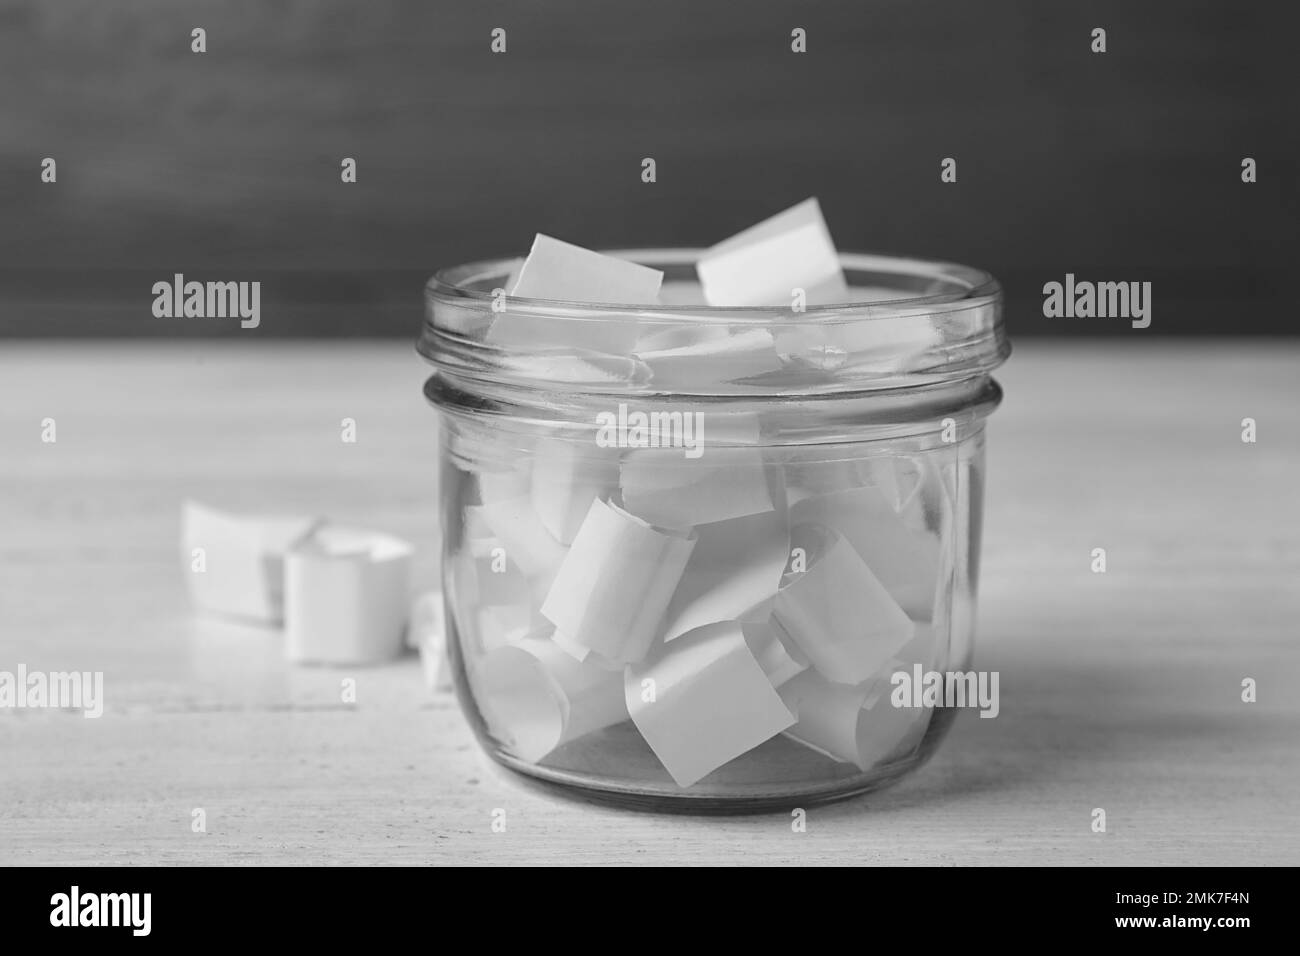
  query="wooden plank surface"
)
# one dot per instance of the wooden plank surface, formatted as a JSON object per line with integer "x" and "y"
{"x": 1119, "y": 691}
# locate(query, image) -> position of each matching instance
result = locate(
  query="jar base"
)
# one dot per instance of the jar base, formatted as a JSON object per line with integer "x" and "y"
{"x": 648, "y": 797}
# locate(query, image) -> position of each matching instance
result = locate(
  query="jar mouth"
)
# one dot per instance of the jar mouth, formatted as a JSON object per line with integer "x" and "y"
{"x": 912, "y": 282}
{"x": 909, "y": 322}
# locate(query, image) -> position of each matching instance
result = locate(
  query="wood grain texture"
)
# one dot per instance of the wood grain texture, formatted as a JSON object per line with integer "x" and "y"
{"x": 1119, "y": 691}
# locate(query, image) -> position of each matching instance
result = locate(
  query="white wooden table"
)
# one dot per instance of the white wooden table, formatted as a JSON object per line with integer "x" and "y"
{"x": 1119, "y": 691}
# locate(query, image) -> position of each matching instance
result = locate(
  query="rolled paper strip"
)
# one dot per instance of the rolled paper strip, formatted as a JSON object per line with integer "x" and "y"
{"x": 612, "y": 590}
{"x": 536, "y": 697}
{"x": 703, "y": 700}
{"x": 242, "y": 569}
{"x": 728, "y": 358}
{"x": 733, "y": 575}
{"x": 852, "y": 724}
{"x": 516, "y": 525}
{"x": 665, "y": 488}
{"x": 346, "y": 597}
{"x": 779, "y": 662}
{"x": 762, "y": 264}
{"x": 839, "y": 615}
{"x": 567, "y": 477}
{"x": 904, "y": 560}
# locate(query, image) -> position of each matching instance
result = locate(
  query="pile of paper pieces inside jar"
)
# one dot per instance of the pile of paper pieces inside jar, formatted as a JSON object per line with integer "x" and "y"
{"x": 714, "y": 601}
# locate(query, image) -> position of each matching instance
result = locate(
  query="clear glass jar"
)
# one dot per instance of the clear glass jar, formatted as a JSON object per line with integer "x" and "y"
{"x": 686, "y": 549}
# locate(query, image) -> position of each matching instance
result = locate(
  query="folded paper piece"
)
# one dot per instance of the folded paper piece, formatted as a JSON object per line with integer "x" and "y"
{"x": 838, "y": 614}
{"x": 712, "y": 360}
{"x": 346, "y": 597}
{"x": 733, "y": 574}
{"x": 536, "y": 697}
{"x": 507, "y": 509}
{"x": 242, "y": 560}
{"x": 427, "y": 633}
{"x": 561, "y": 270}
{"x": 703, "y": 700}
{"x": 667, "y": 489}
{"x": 904, "y": 560}
{"x": 852, "y": 724}
{"x": 567, "y": 477}
{"x": 761, "y": 265}
{"x": 610, "y": 594}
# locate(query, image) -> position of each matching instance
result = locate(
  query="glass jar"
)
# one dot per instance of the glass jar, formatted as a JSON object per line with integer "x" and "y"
{"x": 699, "y": 558}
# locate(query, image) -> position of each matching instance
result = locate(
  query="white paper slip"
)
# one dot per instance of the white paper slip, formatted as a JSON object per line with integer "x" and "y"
{"x": 610, "y": 594}
{"x": 234, "y": 564}
{"x": 713, "y": 360}
{"x": 426, "y": 631}
{"x": 704, "y": 700}
{"x": 667, "y": 489}
{"x": 568, "y": 475}
{"x": 507, "y": 509}
{"x": 536, "y": 697}
{"x": 836, "y": 612}
{"x": 852, "y": 724}
{"x": 904, "y": 560}
{"x": 733, "y": 575}
{"x": 780, "y": 662}
{"x": 347, "y": 593}
{"x": 764, "y": 263}
{"x": 561, "y": 270}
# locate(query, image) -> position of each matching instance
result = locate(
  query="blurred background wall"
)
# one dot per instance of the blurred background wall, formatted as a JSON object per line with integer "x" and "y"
{"x": 226, "y": 165}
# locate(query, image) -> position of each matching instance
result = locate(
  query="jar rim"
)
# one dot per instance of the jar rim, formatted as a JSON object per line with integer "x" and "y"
{"x": 961, "y": 283}
{"x": 912, "y": 322}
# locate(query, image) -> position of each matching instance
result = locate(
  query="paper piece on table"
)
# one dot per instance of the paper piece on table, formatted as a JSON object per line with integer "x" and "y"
{"x": 779, "y": 662}
{"x": 711, "y": 701}
{"x": 904, "y": 560}
{"x": 426, "y": 631}
{"x": 729, "y": 479}
{"x": 761, "y": 265}
{"x": 568, "y": 476}
{"x": 838, "y": 614}
{"x": 728, "y": 358}
{"x": 507, "y": 509}
{"x": 611, "y": 592}
{"x": 852, "y": 724}
{"x": 535, "y": 697}
{"x": 347, "y": 593}
{"x": 243, "y": 560}
{"x": 733, "y": 573}
{"x": 560, "y": 270}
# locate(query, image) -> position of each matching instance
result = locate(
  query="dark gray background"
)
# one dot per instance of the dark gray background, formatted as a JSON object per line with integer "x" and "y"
{"x": 225, "y": 165}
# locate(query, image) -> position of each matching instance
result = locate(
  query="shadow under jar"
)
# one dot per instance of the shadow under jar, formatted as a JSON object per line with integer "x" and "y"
{"x": 687, "y": 549}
